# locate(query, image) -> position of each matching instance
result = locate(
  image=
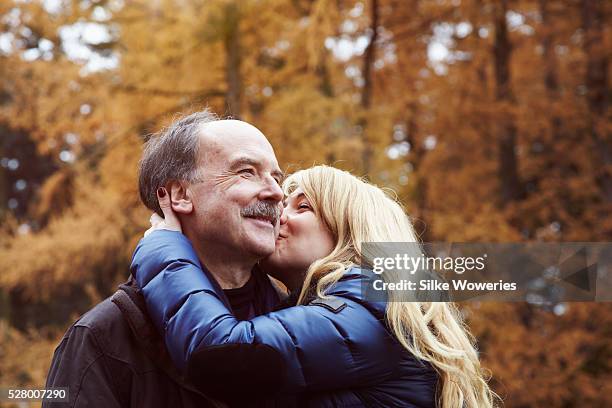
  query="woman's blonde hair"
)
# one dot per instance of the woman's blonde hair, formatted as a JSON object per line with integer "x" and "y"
{"x": 356, "y": 211}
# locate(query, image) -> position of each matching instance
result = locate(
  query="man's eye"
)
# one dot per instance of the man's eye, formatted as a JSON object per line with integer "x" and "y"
{"x": 247, "y": 171}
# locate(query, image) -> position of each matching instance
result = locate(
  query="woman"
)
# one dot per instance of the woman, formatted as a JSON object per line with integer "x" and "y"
{"x": 334, "y": 347}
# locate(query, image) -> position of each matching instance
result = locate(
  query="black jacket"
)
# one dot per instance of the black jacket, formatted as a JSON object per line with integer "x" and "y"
{"x": 112, "y": 357}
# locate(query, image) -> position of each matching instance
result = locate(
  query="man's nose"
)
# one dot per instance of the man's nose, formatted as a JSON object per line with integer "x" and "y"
{"x": 271, "y": 191}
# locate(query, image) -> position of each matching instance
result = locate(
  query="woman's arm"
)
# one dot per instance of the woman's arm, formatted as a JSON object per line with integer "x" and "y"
{"x": 303, "y": 347}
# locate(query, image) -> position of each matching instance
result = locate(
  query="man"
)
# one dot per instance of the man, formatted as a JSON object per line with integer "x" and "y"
{"x": 223, "y": 180}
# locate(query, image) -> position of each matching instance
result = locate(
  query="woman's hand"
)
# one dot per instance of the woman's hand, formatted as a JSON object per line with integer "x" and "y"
{"x": 170, "y": 220}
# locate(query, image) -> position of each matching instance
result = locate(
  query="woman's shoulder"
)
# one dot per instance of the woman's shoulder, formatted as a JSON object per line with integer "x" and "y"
{"x": 344, "y": 304}
{"x": 355, "y": 286}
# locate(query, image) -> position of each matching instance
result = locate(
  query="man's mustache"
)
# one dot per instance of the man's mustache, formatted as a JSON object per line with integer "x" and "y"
{"x": 264, "y": 209}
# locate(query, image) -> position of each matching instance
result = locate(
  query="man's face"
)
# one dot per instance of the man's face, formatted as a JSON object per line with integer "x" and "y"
{"x": 237, "y": 203}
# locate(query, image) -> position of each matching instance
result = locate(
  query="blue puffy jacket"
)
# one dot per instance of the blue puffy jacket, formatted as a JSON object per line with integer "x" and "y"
{"x": 334, "y": 352}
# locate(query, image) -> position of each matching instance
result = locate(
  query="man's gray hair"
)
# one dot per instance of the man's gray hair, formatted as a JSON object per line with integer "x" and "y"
{"x": 171, "y": 154}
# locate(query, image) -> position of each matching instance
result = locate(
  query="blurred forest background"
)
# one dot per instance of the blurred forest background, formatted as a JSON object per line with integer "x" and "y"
{"x": 489, "y": 118}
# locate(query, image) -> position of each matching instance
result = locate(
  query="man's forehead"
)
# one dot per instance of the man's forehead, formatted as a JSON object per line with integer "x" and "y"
{"x": 232, "y": 139}
{"x": 220, "y": 130}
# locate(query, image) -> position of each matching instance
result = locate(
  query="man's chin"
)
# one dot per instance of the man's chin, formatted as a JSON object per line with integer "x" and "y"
{"x": 262, "y": 248}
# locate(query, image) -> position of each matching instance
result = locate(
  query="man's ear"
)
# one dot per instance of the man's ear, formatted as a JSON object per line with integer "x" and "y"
{"x": 180, "y": 197}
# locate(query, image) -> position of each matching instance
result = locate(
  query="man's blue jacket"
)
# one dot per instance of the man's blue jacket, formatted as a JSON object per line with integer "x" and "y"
{"x": 333, "y": 352}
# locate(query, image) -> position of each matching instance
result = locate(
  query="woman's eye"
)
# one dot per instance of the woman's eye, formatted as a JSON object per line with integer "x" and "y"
{"x": 304, "y": 205}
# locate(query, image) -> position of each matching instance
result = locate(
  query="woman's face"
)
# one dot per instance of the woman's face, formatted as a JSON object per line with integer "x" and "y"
{"x": 303, "y": 239}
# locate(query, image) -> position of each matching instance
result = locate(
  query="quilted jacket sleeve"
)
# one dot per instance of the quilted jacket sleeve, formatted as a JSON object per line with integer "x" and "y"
{"x": 296, "y": 349}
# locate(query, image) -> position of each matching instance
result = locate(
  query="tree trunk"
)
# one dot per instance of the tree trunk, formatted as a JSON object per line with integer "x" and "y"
{"x": 327, "y": 89}
{"x": 233, "y": 60}
{"x": 3, "y": 177}
{"x": 551, "y": 79}
{"x": 415, "y": 158}
{"x": 598, "y": 92}
{"x": 511, "y": 186}
{"x": 5, "y": 306}
{"x": 366, "y": 92}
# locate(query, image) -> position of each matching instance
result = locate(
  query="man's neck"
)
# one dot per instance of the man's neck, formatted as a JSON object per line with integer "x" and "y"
{"x": 229, "y": 271}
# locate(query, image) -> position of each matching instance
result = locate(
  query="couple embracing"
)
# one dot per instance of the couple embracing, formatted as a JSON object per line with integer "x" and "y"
{"x": 203, "y": 322}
